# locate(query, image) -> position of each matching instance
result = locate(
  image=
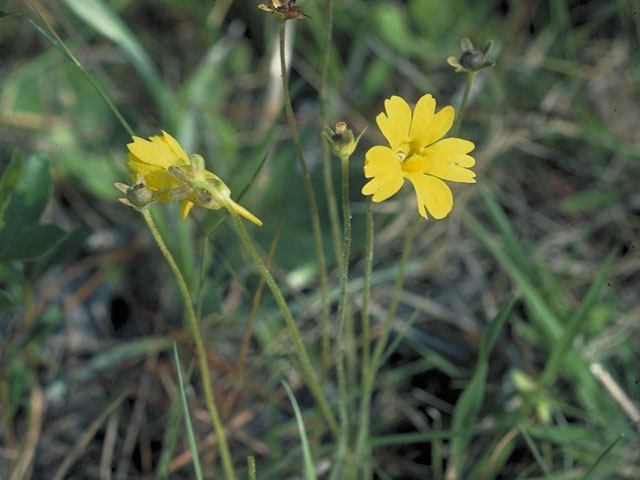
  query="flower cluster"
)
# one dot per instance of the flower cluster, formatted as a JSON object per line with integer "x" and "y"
{"x": 418, "y": 152}
{"x": 162, "y": 167}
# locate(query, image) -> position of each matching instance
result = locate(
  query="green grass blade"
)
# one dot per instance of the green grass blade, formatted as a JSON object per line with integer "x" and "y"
{"x": 602, "y": 456}
{"x": 99, "y": 16}
{"x": 542, "y": 314}
{"x": 187, "y": 418}
{"x": 575, "y": 324}
{"x": 511, "y": 244}
{"x": 534, "y": 450}
{"x": 470, "y": 401}
{"x": 309, "y": 471}
{"x": 49, "y": 37}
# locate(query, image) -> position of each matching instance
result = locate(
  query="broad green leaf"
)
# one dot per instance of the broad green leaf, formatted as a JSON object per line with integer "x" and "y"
{"x": 30, "y": 197}
{"x": 7, "y": 302}
{"x": 33, "y": 243}
{"x": 8, "y": 182}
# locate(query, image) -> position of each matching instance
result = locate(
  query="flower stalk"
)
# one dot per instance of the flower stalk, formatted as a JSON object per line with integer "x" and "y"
{"x": 308, "y": 374}
{"x": 313, "y": 205}
{"x": 332, "y": 205}
{"x": 225, "y": 455}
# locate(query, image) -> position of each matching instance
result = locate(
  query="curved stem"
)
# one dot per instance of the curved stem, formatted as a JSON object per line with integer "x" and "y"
{"x": 463, "y": 105}
{"x": 227, "y": 464}
{"x": 372, "y": 369}
{"x": 332, "y": 205}
{"x": 313, "y": 205}
{"x": 309, "y": 375}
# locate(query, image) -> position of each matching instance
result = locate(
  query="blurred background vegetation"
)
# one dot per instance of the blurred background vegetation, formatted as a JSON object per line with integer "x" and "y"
{"x": 87, "y": 381}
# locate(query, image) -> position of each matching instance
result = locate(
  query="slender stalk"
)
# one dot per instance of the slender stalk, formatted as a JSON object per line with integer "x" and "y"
{"x": 309, "y": 375}
{"x": 227, "y": 464}
{"x": 361, "y": 448}
{"x": 366, "y": 287}
{"x": 329, "y": 191}
{"x": 372, "y": 369}
{"x": 251, "y": 467}
{"x": 465, "y": 98}
{"x": 313, "y": 205}
{"x": 342, "y": 314}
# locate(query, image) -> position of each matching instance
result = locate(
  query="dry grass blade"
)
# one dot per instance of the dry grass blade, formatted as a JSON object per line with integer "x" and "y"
{"x": 84, "y": 441}
{"x": 36, "y": 414}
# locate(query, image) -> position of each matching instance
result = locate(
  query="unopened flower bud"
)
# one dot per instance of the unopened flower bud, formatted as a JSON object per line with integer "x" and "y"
{"x": 471, "y": 60}
{"x": 139, "y": 196}
{"x": 283, "y": 9}
{"x": 341, "y": 141}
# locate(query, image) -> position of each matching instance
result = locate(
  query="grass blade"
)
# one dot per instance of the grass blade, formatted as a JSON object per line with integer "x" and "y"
{"x": 187, "y": 418}
{"x": 99, "y": 15}
{"x": 470, "y": 401}
{"x": 309, "y": 471}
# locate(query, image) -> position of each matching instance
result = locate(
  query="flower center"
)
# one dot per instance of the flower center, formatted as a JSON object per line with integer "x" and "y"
{"x": 410, "y": 158}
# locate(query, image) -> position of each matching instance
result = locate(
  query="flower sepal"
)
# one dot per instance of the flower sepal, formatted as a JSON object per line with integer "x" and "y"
{"x": 342, "y": 141}
{"x": 283, "y": 9}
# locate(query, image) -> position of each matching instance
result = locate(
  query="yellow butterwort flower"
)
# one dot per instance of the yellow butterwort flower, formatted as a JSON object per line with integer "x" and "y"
{"x": 418, "y": 153}
{"x": 153, "y": 159}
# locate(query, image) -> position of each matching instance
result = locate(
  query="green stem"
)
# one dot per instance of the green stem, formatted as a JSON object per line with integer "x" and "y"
{"x": 309, "y": 375}
{"x": 329, "y": 191}
{"x": 372, "y": 369}
{"x": 342, "y": 314}
{"x": 313, "y": 205}
{"x": 463, "y": 105}
{"x": 366, "y": 287}
{"x": 200, "y": 350}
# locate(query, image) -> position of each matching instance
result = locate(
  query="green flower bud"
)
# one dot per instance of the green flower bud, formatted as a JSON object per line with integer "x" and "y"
{"x": 139, "y": 196}
{"x": 283, "y": 9}
{"x": 341, "y": 141}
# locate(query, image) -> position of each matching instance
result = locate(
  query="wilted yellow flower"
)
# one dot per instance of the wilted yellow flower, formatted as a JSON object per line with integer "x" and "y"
{"x": 153, "y": 159}
{"x": 418, "y": 153}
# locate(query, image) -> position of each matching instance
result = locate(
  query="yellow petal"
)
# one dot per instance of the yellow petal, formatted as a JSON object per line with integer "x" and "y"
{"x": 185, "y": 208}
{"x": 384, "y": 166}
{"x": 422, "y": 116}
{"x": 448, "y": 160}
{"x": 381, "y": 160}
{"x": 432, "y": 194}
{"x": 155, "y": 152}
{"x": 438, "y": 126}
{"x": 156, "y": 178}
{"x": 243, "y": 212}
{"x": 382, "y": 187}
{"x": 175, "y": 147}
{"x": 396, "y": 123}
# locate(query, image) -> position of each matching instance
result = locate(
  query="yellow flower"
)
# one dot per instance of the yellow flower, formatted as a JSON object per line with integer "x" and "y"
{"x": 153, "y": 158}
{"x": 418, "y": 153}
